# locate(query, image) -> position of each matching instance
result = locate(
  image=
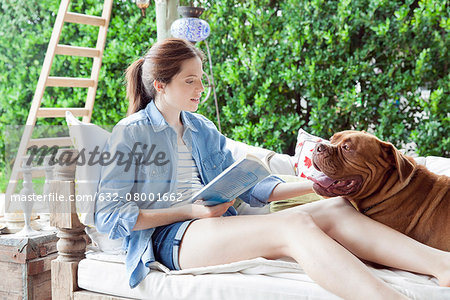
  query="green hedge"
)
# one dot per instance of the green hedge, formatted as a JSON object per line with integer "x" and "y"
{"x": 333, "y": 65}
{"x": 322, "y": 65}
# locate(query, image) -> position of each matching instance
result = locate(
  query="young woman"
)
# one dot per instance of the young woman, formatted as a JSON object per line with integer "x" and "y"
{"x": 175, "y": 152}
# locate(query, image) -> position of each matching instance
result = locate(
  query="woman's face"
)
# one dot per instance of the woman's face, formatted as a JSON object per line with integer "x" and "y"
{"x": 184, "y": 90}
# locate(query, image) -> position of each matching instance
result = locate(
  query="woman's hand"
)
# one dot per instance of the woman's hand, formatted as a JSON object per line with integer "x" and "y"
{"x": 201, "y": 211}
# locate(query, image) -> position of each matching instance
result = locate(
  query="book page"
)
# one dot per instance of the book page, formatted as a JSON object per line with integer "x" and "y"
{"x": 235, "y": 180}
{"x": 241, "y": 180}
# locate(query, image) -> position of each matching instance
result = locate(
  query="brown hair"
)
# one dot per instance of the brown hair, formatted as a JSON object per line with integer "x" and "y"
{"x": 162, "y": 62}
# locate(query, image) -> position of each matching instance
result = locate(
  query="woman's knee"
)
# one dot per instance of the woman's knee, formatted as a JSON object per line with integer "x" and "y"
{"x": 286, "y": 229}
{"x": 337, "y": 206}
{"x": 295, "y": 221}
{"x": 327, "y": 213}
{"x": 333, "y": 214}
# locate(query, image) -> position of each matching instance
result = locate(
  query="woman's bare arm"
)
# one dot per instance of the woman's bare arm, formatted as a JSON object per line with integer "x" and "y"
{"x": 290, "y": 189}
{"x": 149, "y": 218}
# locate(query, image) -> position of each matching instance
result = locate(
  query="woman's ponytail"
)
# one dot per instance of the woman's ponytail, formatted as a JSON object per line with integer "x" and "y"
{"x": 137, "y": 95}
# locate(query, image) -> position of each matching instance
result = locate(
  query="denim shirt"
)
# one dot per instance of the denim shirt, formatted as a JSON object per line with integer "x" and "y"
{"x": 132, "y": 183}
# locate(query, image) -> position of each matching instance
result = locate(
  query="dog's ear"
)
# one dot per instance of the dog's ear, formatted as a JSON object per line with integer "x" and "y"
{"x": 403, "y": 165}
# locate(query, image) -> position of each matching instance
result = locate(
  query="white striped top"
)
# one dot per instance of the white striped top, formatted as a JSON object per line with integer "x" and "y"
{"x": 188, "y": 177}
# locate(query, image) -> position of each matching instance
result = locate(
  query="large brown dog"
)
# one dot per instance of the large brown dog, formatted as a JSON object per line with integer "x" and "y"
{"x": 385, "y": 185}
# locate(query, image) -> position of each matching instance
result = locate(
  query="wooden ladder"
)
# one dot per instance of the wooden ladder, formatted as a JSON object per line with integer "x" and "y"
{"x": 36, "y": 111}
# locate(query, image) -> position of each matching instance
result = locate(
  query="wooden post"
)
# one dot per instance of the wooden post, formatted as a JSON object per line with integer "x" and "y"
{"x": 166, "y": 13}
{"x": 72, "y": 244}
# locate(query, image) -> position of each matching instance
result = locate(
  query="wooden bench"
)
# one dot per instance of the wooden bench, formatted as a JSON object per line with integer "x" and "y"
{"x": 71, "y": 245}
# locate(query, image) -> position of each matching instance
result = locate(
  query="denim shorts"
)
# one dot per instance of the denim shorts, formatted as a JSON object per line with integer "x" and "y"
{"x": 166, "y": 243}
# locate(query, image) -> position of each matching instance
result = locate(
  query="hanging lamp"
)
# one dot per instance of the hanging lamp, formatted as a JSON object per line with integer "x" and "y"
{"x": 190, "y": 27}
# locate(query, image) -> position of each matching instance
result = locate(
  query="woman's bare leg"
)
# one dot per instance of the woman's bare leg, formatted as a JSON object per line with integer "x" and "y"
{"x": 223, "y": 240}
{"x": 375, "y": 242}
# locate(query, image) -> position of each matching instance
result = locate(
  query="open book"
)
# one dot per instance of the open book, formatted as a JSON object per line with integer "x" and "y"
{"x": 233, "y": 181}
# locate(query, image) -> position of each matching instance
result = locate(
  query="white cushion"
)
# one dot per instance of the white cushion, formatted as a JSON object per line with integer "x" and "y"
{"x": 278, "y": 163}
{"x": 257, "y": 278}
{"x": 239, "y": 150}
{"x": 86, "y": 137}
{"x": 438, "y": 165}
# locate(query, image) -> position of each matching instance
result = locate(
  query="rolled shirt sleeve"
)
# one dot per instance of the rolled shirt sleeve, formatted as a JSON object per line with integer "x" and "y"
{"x": 115, "y": 215}
{"x": 258, "y": 196}
{"x": 116, "y": 219}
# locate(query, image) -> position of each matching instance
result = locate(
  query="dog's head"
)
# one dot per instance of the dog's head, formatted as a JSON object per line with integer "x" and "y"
{"x": 356, "y": 163}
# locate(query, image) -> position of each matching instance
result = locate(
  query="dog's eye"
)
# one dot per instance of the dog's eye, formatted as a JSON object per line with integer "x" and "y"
{"x": 346, "y": 147}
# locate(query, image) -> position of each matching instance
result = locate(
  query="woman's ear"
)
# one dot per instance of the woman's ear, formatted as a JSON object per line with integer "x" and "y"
{"x": 159, "y": 86}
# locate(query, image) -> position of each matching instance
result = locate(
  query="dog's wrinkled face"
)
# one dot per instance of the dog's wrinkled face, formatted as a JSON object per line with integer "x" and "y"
{"x": 354, "y": 163}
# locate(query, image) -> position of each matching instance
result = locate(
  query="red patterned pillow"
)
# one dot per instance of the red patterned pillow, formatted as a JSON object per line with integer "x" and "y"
{"x": 303, "y": 154}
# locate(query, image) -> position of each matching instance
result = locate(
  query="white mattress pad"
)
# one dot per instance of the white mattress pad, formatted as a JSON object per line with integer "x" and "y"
{"x": 257, "y": 278}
